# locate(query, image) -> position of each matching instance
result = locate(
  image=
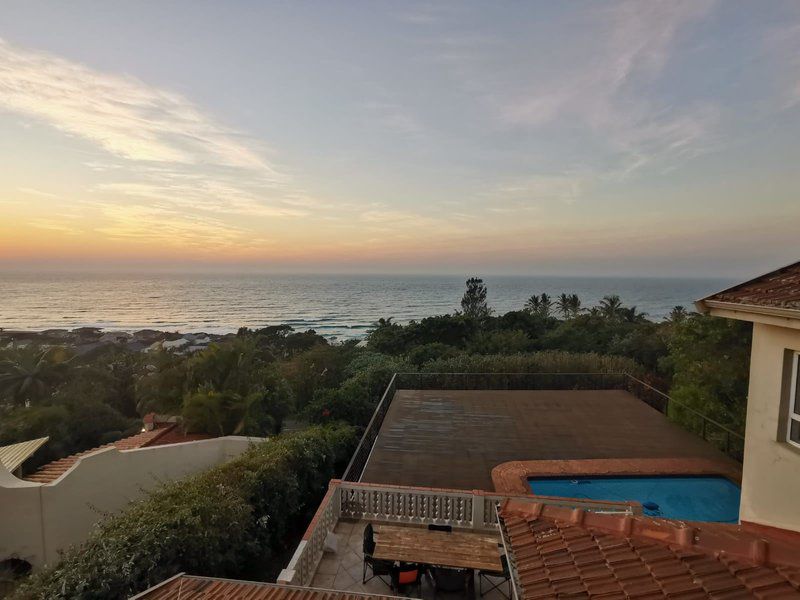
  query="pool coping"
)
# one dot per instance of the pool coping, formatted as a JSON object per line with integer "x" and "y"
{"x": 512, "y": 477}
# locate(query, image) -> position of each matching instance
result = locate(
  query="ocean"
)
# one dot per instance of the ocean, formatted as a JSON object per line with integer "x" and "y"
{"x": 337, "y": 306}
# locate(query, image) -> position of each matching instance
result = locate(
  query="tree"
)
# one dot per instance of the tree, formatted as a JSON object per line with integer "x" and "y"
{"x": 677, "y": 315}
{"x": 28, "y": 374}
{"x": 540, "y": 305}
{"x": 473, "y": 304}
{"x": 574, "y": 305}
{"x": 610, "y": 306}
{"x": 533, "y": 305}
{"x": 564, "y": 305}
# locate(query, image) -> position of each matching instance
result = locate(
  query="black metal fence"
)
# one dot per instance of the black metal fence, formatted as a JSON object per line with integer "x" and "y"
{"x": 725, "y": 439}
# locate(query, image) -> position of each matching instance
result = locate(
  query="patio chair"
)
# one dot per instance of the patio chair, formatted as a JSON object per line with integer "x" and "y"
{"x": 407, "y": 575}
{"x": 379, "y": 568}
{"x": 435, "y": 527}
{"x": 450, "y": 580}
{"x": 491, "y": 578}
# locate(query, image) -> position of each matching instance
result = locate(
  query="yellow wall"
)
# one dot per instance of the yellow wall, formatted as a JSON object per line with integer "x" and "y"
{"x": 771, "y": 473}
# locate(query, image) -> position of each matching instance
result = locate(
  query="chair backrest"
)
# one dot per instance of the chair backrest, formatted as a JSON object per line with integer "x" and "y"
{"x": 450, "y": 580}
{"x": 435, "y": 527}
{"x": 369, "y": 541}
{"x": 407, "y": 574}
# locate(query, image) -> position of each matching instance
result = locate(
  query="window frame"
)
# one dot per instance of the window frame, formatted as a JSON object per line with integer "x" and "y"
{"x": 794, "y": 400}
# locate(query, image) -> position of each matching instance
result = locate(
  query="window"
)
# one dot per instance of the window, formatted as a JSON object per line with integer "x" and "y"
{"x": 793, "y": 435}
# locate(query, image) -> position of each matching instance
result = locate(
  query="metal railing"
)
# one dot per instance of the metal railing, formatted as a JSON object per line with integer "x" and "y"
{"x": 722, "y": 437}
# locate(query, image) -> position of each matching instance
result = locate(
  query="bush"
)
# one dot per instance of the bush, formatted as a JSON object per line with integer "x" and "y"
{"x": 551, "y": 361}
{"x": 219, "y": 523}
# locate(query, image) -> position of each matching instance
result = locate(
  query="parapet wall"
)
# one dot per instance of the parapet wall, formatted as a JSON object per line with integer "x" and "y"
{"x": 37, "y": 520}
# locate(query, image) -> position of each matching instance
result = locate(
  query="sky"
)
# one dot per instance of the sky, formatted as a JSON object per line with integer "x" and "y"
{"x": 572, "y": 138}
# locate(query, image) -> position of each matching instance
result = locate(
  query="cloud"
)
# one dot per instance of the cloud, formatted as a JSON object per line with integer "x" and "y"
{"x": 164, "y": 157}
{"x": 34, "y": 192}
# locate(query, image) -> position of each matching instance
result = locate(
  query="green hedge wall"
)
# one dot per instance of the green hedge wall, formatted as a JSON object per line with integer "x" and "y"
{"x": 218, "y": 523}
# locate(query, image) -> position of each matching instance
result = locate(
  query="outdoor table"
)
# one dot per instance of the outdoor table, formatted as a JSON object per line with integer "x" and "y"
{"x": 456, "y": 549}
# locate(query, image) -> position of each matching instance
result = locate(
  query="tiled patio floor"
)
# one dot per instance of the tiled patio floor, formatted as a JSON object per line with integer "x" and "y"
{"x": 343, "y": 570}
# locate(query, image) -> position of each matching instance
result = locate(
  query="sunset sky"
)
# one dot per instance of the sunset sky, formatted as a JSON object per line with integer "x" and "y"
{"x": 641, "y": 138}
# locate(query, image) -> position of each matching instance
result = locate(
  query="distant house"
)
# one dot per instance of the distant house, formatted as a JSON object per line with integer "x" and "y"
{"x": 57, "y": 505}
{"x": 771, "y": 481}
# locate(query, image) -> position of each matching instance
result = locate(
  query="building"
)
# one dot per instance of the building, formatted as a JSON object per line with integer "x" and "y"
{"x": 57, "y": 505}
{"x": 442, "y": 480}
{"x": 771, "y": 481}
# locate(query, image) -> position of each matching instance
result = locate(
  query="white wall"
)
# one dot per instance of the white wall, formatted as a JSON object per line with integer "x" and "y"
{"x": 36, "y": 520}
{"x": 771, "y": 471}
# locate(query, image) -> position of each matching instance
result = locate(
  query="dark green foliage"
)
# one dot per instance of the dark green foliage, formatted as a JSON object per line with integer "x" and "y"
{"x": 223, "y": 522}
{"x": 474, "y": 304}
{"x": 709, "y": 358}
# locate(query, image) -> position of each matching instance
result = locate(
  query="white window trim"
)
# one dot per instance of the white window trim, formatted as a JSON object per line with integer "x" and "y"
{"x": 794, "y": 401}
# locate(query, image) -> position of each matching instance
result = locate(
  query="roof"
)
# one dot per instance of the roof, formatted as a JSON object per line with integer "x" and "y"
{"x": 189, "y": 587}
{"x": 13, "y": 455}
{"x": 168, "y": 433}
{"x": 560, "y": 552}
{"x": 778, "y": 290}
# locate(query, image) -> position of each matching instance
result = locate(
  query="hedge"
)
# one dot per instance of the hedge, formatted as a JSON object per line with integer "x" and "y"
{"x": 217, "y": 523}
{"x": 548, "y": 361}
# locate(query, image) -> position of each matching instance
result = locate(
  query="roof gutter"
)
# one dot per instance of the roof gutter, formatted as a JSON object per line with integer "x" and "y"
{"x": 706, "y": 306}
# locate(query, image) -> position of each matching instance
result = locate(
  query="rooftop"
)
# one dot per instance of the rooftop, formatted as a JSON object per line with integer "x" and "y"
{"x": 188, "y": 587}
{"x": 779, "y": 289}
{"x": 163, "y": 432}
{"x": 454, "y": 438}
{"x": 560, "y": 553}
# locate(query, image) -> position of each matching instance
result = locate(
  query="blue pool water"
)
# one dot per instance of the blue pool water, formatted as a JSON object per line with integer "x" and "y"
{"x": 673, "y": 497}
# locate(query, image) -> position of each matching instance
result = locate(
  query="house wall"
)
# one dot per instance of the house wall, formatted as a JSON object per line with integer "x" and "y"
{"x": 771, "y": 471}
{"x": 37, "y": 520}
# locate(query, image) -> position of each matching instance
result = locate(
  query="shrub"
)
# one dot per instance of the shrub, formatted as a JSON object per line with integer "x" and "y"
{"x": 217, "y": 523}
{"x": 551, "y": 361}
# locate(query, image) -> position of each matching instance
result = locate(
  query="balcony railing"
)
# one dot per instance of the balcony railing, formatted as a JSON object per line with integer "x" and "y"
{"x": 717, "y": 434}
{"x": 415, "y": 506}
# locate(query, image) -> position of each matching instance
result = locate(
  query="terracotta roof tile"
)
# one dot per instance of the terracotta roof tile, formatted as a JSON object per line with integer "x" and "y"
{"x": 560, "y": 553}
{"x": 168, "y": 433}
{"x": 778, "y": 289}
{"x": 187, "y": 587}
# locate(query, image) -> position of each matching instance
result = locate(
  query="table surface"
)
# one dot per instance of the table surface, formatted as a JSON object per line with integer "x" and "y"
{"x": 456, "y": 549}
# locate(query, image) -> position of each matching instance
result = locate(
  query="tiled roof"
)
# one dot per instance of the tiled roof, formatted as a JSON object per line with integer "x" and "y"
{"x": 778, "y": 289}
{"x": 564, "y": 553}
{"x": 13, "y": 455}
{"x": 188, "y": 587}
{"x": 168, "y": 434}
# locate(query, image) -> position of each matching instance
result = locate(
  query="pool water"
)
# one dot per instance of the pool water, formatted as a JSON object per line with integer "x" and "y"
{"x": 674, "y": 497}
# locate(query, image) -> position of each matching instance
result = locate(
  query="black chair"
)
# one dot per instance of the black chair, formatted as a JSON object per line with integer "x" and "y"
{"x": 407, "y": 575}
{"x": 489, "y": 576}
{"x": 435, "y": 527}
{"x": 379, "y": 568}
{"x": 450, "y": 580}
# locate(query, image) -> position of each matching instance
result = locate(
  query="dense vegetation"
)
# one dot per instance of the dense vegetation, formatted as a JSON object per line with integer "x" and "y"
{"x": 227, "y": 521}
{"x": 254, "y": 381}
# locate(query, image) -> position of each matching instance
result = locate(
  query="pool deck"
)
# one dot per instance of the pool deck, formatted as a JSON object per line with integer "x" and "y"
{"x": 455, "y": 438}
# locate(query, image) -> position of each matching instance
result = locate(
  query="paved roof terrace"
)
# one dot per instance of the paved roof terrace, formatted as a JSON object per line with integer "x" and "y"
{"x": 454, "y": 438}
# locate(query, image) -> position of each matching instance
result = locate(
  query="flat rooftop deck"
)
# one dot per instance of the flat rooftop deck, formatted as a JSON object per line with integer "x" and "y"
{"x": 453, "y": 438}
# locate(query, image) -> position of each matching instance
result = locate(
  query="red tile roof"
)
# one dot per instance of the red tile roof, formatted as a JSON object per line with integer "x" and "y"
{"x": 564, "y": 553}
{"x": 168, "y": 433}
{"x": 778, "y": 289}
{"x": 187, "y": 587}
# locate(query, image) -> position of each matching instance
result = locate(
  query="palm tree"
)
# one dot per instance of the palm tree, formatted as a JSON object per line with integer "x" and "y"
{"x": 564, "y": 305}
{"x": 546, "y": 306}
{"x": 610, "y": 306}
{"x": 533, "y": 305}
{"x": 574, "y": 305}
{"x": 677, "y": 314}
{"x": 30, "y": 373}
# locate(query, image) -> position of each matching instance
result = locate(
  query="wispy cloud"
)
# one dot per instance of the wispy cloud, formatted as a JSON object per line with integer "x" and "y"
{"x": 164, "y": 157}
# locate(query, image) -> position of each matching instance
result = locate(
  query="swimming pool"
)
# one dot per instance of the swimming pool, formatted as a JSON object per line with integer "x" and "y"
{"x": 701, "y": 498}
